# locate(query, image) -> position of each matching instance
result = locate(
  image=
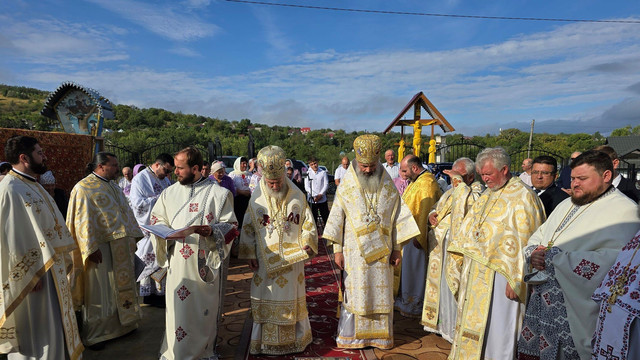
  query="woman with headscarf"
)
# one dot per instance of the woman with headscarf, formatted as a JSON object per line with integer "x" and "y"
{"x": 297, "y": 177}
{"x": 138, "y": 168}
{"x": 241, "y": 179}
{"x": 48, "y": 182}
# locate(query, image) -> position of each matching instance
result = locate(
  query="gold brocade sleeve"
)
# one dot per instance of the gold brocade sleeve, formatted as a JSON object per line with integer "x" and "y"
{"x": 98, "y": 212}
{"x": 278, "y": 232}
{"x": 334, "y": 227}
{"x": 420, "y": 197}
{"x": 309, "y": 235}
{"x": 78, "y": 223}
{"x": 247, "y": 245}
{"x": 462, "y": 200}
{"x": 497, "y": 228}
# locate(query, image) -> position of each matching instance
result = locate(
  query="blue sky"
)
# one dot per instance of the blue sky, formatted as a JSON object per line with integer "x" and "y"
{"x": 340, "y": 70}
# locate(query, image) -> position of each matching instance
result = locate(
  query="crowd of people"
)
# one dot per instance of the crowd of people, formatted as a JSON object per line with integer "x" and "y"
{"x": 501, "y": 266}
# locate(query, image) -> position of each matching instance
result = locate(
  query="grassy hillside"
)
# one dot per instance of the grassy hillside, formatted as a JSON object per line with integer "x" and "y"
{"x": 20, "y": 107}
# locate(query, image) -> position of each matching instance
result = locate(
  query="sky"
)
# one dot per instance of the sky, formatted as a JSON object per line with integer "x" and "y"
{"x": 348, "y": 70}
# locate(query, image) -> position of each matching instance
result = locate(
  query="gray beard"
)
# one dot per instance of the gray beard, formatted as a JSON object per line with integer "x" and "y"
{"x": 278, "y": 195}
{"x": 370, "y": 183}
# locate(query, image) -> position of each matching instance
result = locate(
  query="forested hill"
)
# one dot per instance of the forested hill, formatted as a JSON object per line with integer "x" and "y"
{"x": 20, "y": 107}
{"x": 137, "y": 129}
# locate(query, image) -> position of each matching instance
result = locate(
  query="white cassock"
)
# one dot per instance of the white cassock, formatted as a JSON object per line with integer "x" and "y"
{"x": 585, "y": 240}
{"x": 193, "y": 291}
{"x": 618, "y": 329}
{"x": 33, "y": 243}
{"x": 146, "y": 187}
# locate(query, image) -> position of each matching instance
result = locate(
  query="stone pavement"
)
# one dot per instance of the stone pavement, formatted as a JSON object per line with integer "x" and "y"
{"x": 144, "y": 343}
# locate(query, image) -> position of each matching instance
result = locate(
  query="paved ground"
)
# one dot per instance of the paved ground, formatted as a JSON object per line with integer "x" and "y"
{"x": 144, "y": 343}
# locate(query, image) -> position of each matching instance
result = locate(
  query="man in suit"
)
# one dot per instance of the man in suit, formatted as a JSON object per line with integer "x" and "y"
{"x": 626, "y": 186}
{"x": 564, "y": 180}
{"x": 543, "y": 174}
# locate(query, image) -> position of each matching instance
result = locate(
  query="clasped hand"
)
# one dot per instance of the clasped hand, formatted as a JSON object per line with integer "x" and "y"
{"x": 537, "y": 257}
{"x": 253, "y": 263}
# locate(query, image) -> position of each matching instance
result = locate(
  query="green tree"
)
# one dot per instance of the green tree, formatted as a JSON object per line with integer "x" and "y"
{"x": 625, "y": 131}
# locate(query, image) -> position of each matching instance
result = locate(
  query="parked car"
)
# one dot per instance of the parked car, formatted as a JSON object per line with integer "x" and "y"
{"x": 228, "y": 162}
{"x": 332, "y": 184}
{"x": 300, "y": 166}
{"x": 437, "y": 170}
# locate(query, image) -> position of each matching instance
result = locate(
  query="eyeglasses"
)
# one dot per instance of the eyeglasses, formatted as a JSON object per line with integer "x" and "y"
{"x": 543, "y": 173}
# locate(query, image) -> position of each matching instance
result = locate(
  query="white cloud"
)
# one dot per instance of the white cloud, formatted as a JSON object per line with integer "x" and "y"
{"x": 576, "y": 72}
{"x": 170, "y": 23}
{"x": 185, "y": 51}
{"x": 56, "y": 42}
{"x": 197, "y": 4}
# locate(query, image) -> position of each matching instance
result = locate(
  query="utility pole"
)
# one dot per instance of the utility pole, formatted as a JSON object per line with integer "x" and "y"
{"x": 530, "y": 138}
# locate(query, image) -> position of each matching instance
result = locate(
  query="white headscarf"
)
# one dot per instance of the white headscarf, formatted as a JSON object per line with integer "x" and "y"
{"x": 47, "y": 178}
{"x": 236, "y": 168}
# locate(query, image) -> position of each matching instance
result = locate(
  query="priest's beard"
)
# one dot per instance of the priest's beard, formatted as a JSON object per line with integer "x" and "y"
{"x": 587, "y": 197}
{"x": 369, "y": 182}
{"x": 277, "y": 195}
{"x": 187, "y": 180}
{"x": 38, "y": 168}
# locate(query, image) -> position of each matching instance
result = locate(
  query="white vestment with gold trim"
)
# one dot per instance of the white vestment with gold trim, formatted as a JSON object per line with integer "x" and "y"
{"x": 99, "y": 218}
{"x": 275, "y": 234}
{"x": 490, "y": 244}
{"x": 366, "y": 228}
{"x": 440, "y": 304}
{"x": 34, "y": 247}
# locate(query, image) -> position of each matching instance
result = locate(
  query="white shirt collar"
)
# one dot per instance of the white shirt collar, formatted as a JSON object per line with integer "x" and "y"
{"x": 100, "y": 177}
{"x": 616, "y": 181}
{"x": 23, "y": 174}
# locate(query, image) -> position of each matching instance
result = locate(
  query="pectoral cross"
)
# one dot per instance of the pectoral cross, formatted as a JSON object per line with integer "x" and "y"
{"x": 618, "y": 287}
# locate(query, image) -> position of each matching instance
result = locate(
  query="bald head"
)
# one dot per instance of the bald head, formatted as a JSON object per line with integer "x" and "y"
{"x": 390, "y": 157}
{"x": 411, "y": 167}
{"x": 345, "y": 162}
{"x": 127, "y": 173}
{"x": 527, "y": 164}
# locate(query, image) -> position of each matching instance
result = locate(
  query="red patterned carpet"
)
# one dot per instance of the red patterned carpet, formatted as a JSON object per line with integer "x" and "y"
{"x": 411, "y": 342}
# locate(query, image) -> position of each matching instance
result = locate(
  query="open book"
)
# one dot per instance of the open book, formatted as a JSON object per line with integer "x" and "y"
{"x": 225, "y": 230}
{"x": 166, "y": 232}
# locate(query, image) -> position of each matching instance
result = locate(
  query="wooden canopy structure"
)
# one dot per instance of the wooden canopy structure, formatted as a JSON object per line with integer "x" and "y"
{"x": 78, "y": 109}
{"x": 419, "y": 102}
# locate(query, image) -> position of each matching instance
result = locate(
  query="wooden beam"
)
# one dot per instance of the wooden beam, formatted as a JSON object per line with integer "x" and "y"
{"x": 424, "y": 122}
